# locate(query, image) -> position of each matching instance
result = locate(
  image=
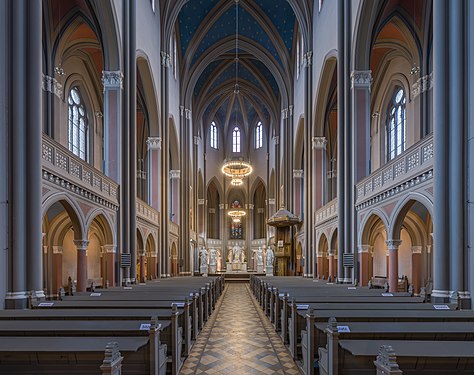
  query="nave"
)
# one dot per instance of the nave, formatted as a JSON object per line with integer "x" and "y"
{"x": 239, "y": 339}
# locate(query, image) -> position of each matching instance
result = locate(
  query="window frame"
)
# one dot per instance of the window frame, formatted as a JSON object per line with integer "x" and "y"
{"x": 75, "y": 128}
{"x": 213, "y": 136}
{"x": 395, "y": 127}
{"x": 236, "y": 140}
{"x": 259, "y": 135}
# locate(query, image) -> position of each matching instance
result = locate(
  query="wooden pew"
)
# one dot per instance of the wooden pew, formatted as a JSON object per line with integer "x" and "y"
{"x": 344, "y": 357}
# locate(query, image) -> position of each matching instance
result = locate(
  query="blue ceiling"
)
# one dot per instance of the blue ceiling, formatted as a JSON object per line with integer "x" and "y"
{"x": 279, "y": 18}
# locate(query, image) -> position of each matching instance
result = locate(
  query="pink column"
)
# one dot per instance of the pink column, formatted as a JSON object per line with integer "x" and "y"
{"x": 393, "y": 264}
{"x": 319, "y": 170}
{"x": 142, "y": 255}
{"x": 109, "y": 255}
{"x": 416, "y": 268}
{"x": 297, "y": 182}
{"x": 153, "y": 266}
{"x": 331, "y": 266}
{"x": 320, "y": 268}
{"x": 112, "y": 82}
{"x": 81, "y": 246}
{"x": 154, "y": 183}
{"x": 364, "y": 264}
{"x": 174, "y": 186}
{"x": 57, "y": 268}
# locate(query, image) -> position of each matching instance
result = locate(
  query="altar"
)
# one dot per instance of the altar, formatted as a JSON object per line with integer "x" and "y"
{"x": 236, "y": 266}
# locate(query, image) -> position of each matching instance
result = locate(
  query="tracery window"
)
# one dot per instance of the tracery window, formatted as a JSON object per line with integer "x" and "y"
{"x": 236, "y": 231}
{"x": 236, "y": 140}
{"x": 213, "y": 135}
{"x": 396, "y": 124}
{"x": 259, "y": 135}
{"x": 78, "y": 127}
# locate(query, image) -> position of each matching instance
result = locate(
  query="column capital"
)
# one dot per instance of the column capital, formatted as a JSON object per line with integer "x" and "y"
{"x": 50, "y": 84}
{"x": 308, "y": 59}
{"x": 422, "y": 84}
{"x": 175, "y": 174}
{"x": 276, "y": 139}
{"x": 57, "y": 249}
{"x": 201, "y": 201}
{"x": 154, "y": 143}
{"x": 393, "y": 244}
{"x": 165, "y": 59}
{"x": 298, "y": 173}
{"x": 416, "y": 249}
{"x": 187, "y": 113}
{"x": 112, "y": 79}
{"x": 197, "y": 139}
{"x": 290, "y": 110}
{"x": 284, "y": 113}
{"x": 109, "y": 249}
{"x": 271, "y": 201}
{"x": 319, "y": 143}
{"x": 141, "y": 252}
{"x": 364, "y": 249}
{"x": 81, "y": 244}
{"x": 221, "y": 206}
{"x": 249, "y": 206}
{"x": 361, "y": 78}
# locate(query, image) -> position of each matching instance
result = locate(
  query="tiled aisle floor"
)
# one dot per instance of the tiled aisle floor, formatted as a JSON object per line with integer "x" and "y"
{"x": 238, "y": 339}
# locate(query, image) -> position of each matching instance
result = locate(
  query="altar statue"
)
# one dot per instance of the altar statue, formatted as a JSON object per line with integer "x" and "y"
{"x": 237, "y": 254}
{"x": 259, "y": 256}
{"x": 270, "y": 257}
{"x": 204, "y": 256}
{"x": 213, "y": 257}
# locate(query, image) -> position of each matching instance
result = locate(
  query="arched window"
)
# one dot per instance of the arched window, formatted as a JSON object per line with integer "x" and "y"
{"x": 236, "y": 140}
{"x": 213, "y": 135}
{"x": 78, "y": 127}
{"x": 396, "y": 124}
{"x": 236, "y": 230}
{"x": 259, "y": 135}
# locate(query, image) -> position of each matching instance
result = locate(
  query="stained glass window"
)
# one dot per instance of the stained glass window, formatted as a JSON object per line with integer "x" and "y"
{"x": 396, "y": 124}
{"x": 236, "y": 140}
{"x": 78, "y": 129}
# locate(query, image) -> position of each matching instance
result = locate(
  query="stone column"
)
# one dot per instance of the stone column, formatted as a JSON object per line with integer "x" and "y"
{"x": 320, "y": 269}
{"x": 441, "y": 98}
{"x": 174, "y": 178}
{"x": 364, "y": 256}
{"x": 110, "y": 259}
{"x": 393, "y": 246}
{"x": 112, "y": 82}
{"x": 142, "y": 255}
{"x": 341, "y": 106}
{"x": 154, "y": 166}
{"x": 153, "y": 267}
{"x": 298, "y": 180}
{"x": 319, "y": 171}
{"x": 81, "y": 247}
{"x": 331, "y": 272}
{"x": 57, "y": 269}
{"x": 416, "y": 268}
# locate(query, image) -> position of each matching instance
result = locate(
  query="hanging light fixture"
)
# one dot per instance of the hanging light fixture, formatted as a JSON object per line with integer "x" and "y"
{"x": 236, "y": 169}
{"x": 236, "y": 214}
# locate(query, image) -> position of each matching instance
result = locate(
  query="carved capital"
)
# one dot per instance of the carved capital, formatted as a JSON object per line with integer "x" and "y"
{"x": 188, "y": 113}
{"x": 276, "y": 139}
{"x": 308, "y": 59}
{"x": 154, "y": 143}
{"x": 165, "y": 59}
{"x": 416, "y": 249}
{"x": 175, "y": 174}
{"x": 423, "y": 84}
{"x": 319, "y": 143}
{"x": 81, "y": 244}
{"x": 197, "y": 140}
{"x": 221, "y": 206}
{"x": 361, "y": 78}
{"x": 109, "y": 249}
{"x": 271, "y": 201}
{"x": 57, "y": 249}
{"x": 298, "y": 173}
{"x": 112, "y": 79}
{"x": 201, "y": 201}
{"x": 393, "y": 245}
{"x": 50, "y": 84}
{"x": 284, "y": 113}
{"x": 364, "y": 249}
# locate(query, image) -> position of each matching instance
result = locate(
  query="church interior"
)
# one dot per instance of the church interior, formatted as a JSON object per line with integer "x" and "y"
{"x": 237, "y": 187}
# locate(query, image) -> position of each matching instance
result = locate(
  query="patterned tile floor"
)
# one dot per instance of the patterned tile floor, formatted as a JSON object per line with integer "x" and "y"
{"x": 239, "y": 339}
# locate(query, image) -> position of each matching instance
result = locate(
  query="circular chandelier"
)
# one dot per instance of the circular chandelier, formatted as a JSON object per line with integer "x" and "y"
{"x": 236, "y": 214}
{"x": 236, "y": 182}
{"x": 237, "y": 169}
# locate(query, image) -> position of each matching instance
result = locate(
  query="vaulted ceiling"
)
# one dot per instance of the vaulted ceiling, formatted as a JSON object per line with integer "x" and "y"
{"x": 207, "y": 45}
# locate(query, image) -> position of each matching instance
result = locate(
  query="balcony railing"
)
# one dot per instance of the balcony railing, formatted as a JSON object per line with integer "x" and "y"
{"x": 147, "y": 213}
{"x": 67, "y": 170}
{"x": 326, "y": 213}
{"x": 174, "y": 228}
{"x": 415, "y": 163}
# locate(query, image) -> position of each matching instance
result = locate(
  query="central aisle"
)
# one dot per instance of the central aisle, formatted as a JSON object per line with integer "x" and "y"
{"x": 238, "y": 339}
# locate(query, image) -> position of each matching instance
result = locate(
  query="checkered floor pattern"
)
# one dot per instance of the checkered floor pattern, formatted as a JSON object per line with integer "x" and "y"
{"x": 239, "y": 339}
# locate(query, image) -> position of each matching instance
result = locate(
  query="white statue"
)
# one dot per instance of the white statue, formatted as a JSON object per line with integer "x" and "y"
{"x": 230, "y": 255}
{"x": 237, "y": 253}
{"x": 213, "y": 257}
{"x": 270, "y": 257}
{"x": 259, "y": 256}
{"x": 204, "y": 256}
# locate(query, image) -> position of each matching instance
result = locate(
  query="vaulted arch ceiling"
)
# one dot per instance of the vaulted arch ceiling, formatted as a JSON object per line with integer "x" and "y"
{"x": 207, "y": 35}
